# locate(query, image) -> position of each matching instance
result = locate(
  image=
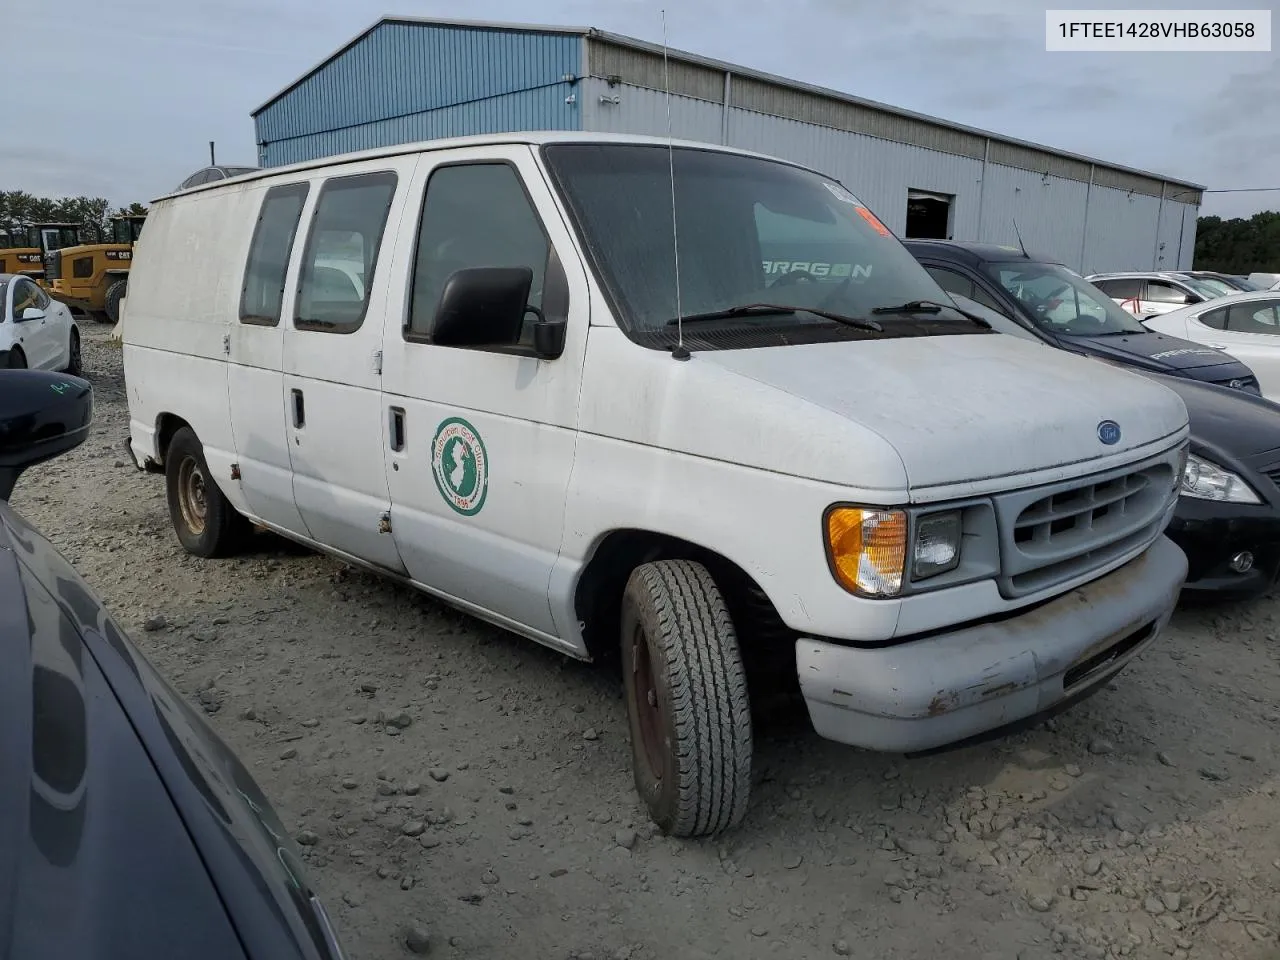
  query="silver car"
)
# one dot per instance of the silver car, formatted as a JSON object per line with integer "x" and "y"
{"x": 1151, "y": 293}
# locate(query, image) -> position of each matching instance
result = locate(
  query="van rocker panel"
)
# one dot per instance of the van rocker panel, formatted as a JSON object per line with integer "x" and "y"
{"x": 945, "y": 688}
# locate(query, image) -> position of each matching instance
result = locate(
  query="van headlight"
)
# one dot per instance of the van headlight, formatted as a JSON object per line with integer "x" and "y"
{"x": 867, "y": 548}
{"x": 1205, "y": 480}
{"x": 936, "y": 548}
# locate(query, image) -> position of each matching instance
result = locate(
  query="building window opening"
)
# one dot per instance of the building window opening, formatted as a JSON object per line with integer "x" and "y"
{"x": 928, "y": 215}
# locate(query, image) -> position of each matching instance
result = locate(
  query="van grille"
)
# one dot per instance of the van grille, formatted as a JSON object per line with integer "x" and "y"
{"x": 1052, "y": 534}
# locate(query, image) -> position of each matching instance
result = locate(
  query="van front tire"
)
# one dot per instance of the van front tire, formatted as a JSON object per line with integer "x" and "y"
{"x": 687, "y": 703}
{"x": 204, "y": 520}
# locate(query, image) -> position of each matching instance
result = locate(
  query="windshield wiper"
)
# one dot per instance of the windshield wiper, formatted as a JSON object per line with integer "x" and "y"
{"x": 931, "y": 306}
{"x": 776, "y": 310}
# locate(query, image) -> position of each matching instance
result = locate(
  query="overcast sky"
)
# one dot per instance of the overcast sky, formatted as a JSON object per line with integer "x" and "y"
{"x": 123, "y": 98}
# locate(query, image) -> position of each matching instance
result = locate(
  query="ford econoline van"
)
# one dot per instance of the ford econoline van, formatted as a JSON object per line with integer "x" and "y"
{"x": 604, "y": 392}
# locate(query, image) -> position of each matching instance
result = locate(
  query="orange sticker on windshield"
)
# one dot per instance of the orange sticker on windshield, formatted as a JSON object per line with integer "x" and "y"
{"x": 871, "y": 218}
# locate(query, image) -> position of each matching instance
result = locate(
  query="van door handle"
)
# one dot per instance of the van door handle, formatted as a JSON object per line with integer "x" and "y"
{"x": 299, "y": 411}
{"x": 397, "y": 429}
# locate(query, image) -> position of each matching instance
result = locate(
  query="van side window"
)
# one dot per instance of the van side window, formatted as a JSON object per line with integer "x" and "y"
{"x": 342, "y": 252}
{"x": 264, "y": 273}
{"x": 474, "y": 215}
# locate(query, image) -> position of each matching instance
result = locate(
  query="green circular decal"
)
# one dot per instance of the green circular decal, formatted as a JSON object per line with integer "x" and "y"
{"x": 460, "y": 465}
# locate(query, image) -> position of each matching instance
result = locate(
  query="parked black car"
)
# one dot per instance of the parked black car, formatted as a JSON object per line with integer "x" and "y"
{"x": 127, "y": 828}
{"x": 1227, "y": 520}
{"x": 1060, "y": 307}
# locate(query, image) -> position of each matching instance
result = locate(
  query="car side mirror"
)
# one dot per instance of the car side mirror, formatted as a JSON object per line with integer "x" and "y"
{"x": 42, "y": 416}
{"x": 483, "y": 307}
{"x": 32, "y": 313}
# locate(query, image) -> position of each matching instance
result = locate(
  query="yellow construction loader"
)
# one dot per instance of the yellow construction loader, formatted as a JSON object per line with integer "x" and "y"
{"x": 93, "y": 277}
{"x": 23, "y": 248}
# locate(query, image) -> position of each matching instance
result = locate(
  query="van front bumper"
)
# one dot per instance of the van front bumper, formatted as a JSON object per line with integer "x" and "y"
{"x": 944, "y": 688}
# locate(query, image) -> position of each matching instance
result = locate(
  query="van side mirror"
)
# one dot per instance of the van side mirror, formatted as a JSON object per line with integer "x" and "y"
{"x": 483, "y": 307}
{"x": 42, "y": 416}
{"x": 548, "y": 338}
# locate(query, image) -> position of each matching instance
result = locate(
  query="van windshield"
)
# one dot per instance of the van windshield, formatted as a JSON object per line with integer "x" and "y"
{"x": 751, "y": 231}
{"x": 1058, "y": 300}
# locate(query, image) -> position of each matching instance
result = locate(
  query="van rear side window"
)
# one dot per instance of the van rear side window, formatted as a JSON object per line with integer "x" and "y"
{"x": 264, "y": 273}
{"x": 342, "y": 252}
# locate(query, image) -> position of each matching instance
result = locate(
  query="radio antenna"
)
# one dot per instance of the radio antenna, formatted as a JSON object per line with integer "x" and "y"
{"x": 680, "y": 352}
{"x": 1018, "y": 233}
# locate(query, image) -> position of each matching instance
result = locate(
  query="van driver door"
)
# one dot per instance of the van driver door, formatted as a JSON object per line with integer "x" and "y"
{"x": 482, "y": 439}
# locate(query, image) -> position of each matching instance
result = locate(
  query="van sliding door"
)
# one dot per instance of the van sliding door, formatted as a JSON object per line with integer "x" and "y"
{"x": 332, "y": 382}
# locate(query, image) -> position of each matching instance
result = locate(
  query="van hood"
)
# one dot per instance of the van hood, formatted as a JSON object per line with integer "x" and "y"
{"x": 960, "y": 409}
{"x": 1163, "y": 353}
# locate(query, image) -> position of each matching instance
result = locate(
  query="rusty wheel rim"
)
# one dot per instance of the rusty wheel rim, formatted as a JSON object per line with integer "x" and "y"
{"x": 192, "y": 500}
{"x": 648, "y": 716}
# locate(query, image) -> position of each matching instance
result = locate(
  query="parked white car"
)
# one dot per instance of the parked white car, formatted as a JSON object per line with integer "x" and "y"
{"x": 1151, "y": 294}
{"x": 36, "y": 331}
{"x": 1245, "y": 325}
{"x": 1265, "y": 281}
{"x": 941, "y": 531}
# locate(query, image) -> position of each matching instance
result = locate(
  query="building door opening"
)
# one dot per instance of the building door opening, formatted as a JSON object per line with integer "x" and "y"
{"x": 928, "y": 215}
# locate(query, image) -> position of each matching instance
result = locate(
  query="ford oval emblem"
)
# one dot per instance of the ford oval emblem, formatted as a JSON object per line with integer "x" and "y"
{"x": 1109, "y": 432}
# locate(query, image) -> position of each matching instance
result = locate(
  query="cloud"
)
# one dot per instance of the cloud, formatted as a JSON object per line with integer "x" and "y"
{"x": 191, "y": 73}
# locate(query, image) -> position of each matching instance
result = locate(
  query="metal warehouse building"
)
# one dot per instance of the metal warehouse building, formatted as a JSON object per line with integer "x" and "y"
{"x": 407, "y": 79}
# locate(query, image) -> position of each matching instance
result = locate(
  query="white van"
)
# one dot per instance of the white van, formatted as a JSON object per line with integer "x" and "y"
{"x": 459, "y": 363}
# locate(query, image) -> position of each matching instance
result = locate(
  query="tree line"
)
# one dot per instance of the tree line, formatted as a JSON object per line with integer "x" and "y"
{"x": 1238, "y": 245}
{"x": 94, "y": 214}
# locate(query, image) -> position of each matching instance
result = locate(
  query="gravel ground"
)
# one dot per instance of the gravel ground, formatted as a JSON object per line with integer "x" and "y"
{"x": 463, "y": 792}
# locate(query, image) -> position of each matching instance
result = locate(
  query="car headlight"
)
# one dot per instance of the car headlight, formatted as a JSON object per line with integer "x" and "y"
{"x": 867, "y": 548}
{"x": 1205, "y": 480}
{"x": 937, "y": 545}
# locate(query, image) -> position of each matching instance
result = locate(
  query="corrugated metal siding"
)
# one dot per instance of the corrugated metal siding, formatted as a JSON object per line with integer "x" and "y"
{"x": 532, "y": 110}
{"x": 1050, "y": 215}
{"x": 644, "y": 111}
{"x": 779, "y": 101}
{"x": 403, "y": 69}
{"x": 1121, "y": 233}
{"x": 1174, "y": 235}
{"x": 1120, "y": 180}
{"x": 1187, "y": 243}
{"x": 644, "y": 69}
{"x": 1040, "y": 161}
{"x": 879, "y": 172}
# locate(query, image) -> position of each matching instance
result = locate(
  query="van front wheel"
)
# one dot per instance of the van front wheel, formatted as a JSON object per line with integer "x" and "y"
{"x": 205, "y": 522}
{"x": 687, "y": 702}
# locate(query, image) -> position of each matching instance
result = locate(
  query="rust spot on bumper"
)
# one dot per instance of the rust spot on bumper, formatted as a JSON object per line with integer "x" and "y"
{"x": 942, "y": 702}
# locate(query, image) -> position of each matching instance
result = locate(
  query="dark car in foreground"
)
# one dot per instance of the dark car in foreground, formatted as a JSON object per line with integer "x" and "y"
{"x": 1061, "y": 308}
{"x": 1228, "y": 517}
{"x": 1227, "y": 520}
{"x": 127, "y": 828}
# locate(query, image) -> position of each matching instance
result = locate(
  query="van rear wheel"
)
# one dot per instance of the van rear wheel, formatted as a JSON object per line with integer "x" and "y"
{"x": 204, "y": 520}
{"x": 687, "y": 702}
